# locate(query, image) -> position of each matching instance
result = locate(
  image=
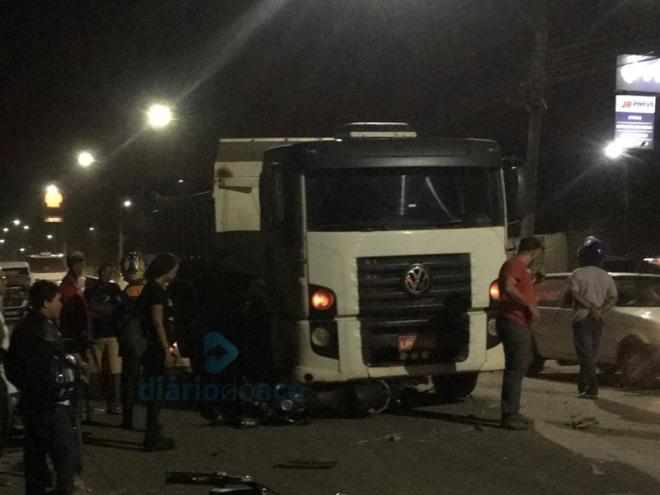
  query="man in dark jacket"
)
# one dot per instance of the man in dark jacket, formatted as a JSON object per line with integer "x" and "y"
{"x": 35, "y": 350}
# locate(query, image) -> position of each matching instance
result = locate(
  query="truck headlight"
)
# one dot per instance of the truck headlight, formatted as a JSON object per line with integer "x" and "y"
{"x": 321, "y": 337}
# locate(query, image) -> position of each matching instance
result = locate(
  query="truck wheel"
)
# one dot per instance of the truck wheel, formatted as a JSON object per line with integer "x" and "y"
{"x": 636, "y": 364}
{"x": 454, "y": 387}
{"x": 256, "y": 351}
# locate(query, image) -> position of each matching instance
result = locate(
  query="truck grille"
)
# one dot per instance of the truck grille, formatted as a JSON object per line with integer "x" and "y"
{"x": 383, "y": 293}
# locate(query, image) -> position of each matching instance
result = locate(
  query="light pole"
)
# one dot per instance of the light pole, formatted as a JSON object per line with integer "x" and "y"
{"x": 126, "y": 204}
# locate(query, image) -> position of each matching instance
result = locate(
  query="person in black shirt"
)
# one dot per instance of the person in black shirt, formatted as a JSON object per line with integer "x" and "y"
{"x": 35, "y": 349}
{"x": 158, "y": 328}
{"x": 104, "y": 306}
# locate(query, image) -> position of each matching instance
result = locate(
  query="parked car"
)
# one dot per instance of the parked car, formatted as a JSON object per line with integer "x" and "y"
{"x": 630, "y": 342}
{"x": 17, "y": 273}
{"x": 10, "y": 424}
{"x": 18, "y": 283}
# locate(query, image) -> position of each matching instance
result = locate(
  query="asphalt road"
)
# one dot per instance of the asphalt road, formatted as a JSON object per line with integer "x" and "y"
{"x": 610, "y": 446}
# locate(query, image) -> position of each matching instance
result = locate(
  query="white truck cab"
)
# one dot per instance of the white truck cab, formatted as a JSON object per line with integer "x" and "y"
{"x": 47, "y": 266}
{"x": 374, "y": 250}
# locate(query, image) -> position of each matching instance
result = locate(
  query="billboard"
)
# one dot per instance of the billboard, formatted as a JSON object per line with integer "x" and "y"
{"x": 635, "y": 118}
{"x": 638, "y": 73}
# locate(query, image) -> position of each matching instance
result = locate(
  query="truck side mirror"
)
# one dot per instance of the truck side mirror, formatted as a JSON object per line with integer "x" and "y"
{"x": 513, "y": 171}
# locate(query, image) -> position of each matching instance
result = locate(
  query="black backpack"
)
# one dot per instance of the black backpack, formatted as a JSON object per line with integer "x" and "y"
{"x": 132, "y": 341}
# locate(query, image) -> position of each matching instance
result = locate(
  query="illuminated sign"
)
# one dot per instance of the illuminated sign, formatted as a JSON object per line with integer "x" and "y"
{"x": 639, "y": 73}
{"x": 635, "y": 118}
{"x": 53, "y": 219}
{"x": 53, "y": 197}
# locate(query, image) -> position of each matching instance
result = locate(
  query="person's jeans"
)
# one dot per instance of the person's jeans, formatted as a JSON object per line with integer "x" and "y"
{"x": 130, "y": 376}
{"x": 516, "y": 340}
{"x": 153, "y": 363}
{"x": 586, "y": 337}
{"x": 49, "y": 434}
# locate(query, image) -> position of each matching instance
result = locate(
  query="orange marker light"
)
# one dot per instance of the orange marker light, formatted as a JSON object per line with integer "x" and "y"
{"x": 494, "y": 290}
{"x": 322, "y": 299}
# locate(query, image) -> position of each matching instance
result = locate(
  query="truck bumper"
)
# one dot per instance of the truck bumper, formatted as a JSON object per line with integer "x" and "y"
{"x": 355, "y": 348}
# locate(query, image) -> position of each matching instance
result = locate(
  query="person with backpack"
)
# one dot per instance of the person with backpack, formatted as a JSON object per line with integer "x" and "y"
{"x": 131, "y": 339}
{"x": 45, "y": 376}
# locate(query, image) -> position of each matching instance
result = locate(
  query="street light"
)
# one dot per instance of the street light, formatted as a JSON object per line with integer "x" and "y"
{"x": 92, "y": 229}
{"x": 85, "y": 159}
{"x": 22, "y": 250}
{"x": 49, "y": 237}
{"x": 26, "y": 227}
{"x": 159, "y": 116}
{"x": 16, "y": 222}
{"x": 127, "y": 203}
{"x": 5, "y": 229}
{"x": 614, "y": 150}
{"x": 2, "y": 241}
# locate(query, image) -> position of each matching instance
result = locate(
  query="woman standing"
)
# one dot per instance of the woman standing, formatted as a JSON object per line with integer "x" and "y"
{"x": 158, "y": 328}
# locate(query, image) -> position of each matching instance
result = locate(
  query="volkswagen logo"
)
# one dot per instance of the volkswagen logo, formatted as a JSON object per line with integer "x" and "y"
{"x": 417, "y": 279}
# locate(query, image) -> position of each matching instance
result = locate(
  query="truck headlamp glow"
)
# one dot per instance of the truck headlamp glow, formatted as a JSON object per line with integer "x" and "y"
{"x": 321, "y": 337}
{"x": 494, "y": 290}
{"x": 322, "y": 299}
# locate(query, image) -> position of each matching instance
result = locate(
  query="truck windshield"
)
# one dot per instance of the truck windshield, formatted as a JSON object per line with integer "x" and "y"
{"x": 47, "y": 265}
{"x": 398, "y": 199}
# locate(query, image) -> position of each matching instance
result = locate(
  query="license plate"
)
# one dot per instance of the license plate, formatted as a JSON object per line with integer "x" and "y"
{"x": 419, "y": 342}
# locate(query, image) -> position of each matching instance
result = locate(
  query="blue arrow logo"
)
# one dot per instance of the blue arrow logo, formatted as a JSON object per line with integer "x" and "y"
{"x": 218, "y": 353}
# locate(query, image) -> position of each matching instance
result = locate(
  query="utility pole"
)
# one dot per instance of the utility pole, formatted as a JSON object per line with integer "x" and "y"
{"x": 537, "y": 107}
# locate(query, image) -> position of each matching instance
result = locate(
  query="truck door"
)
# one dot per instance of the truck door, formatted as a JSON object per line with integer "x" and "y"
{"x": 284, "y": 253}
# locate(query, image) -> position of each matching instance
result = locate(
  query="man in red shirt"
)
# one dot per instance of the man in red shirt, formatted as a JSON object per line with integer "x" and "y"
{"x": 514, "y": 322}
{"x": 74, "y": 324}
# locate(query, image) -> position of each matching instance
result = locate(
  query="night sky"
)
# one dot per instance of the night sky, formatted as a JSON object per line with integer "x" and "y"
{"x": 80, "y": 75}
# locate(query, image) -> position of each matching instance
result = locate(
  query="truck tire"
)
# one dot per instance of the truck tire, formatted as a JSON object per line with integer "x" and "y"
{"x": 454, "y": 387}
{"x": 256, "y": 350}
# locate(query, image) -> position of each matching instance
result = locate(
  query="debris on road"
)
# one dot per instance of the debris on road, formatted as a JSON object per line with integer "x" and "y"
{"x": 223, "y": 482}
{"x": 306, "y": 464}
{"x": 597, "y": 471}
{"x": 392, "y": 437}
{"x": 579, "y": 423}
